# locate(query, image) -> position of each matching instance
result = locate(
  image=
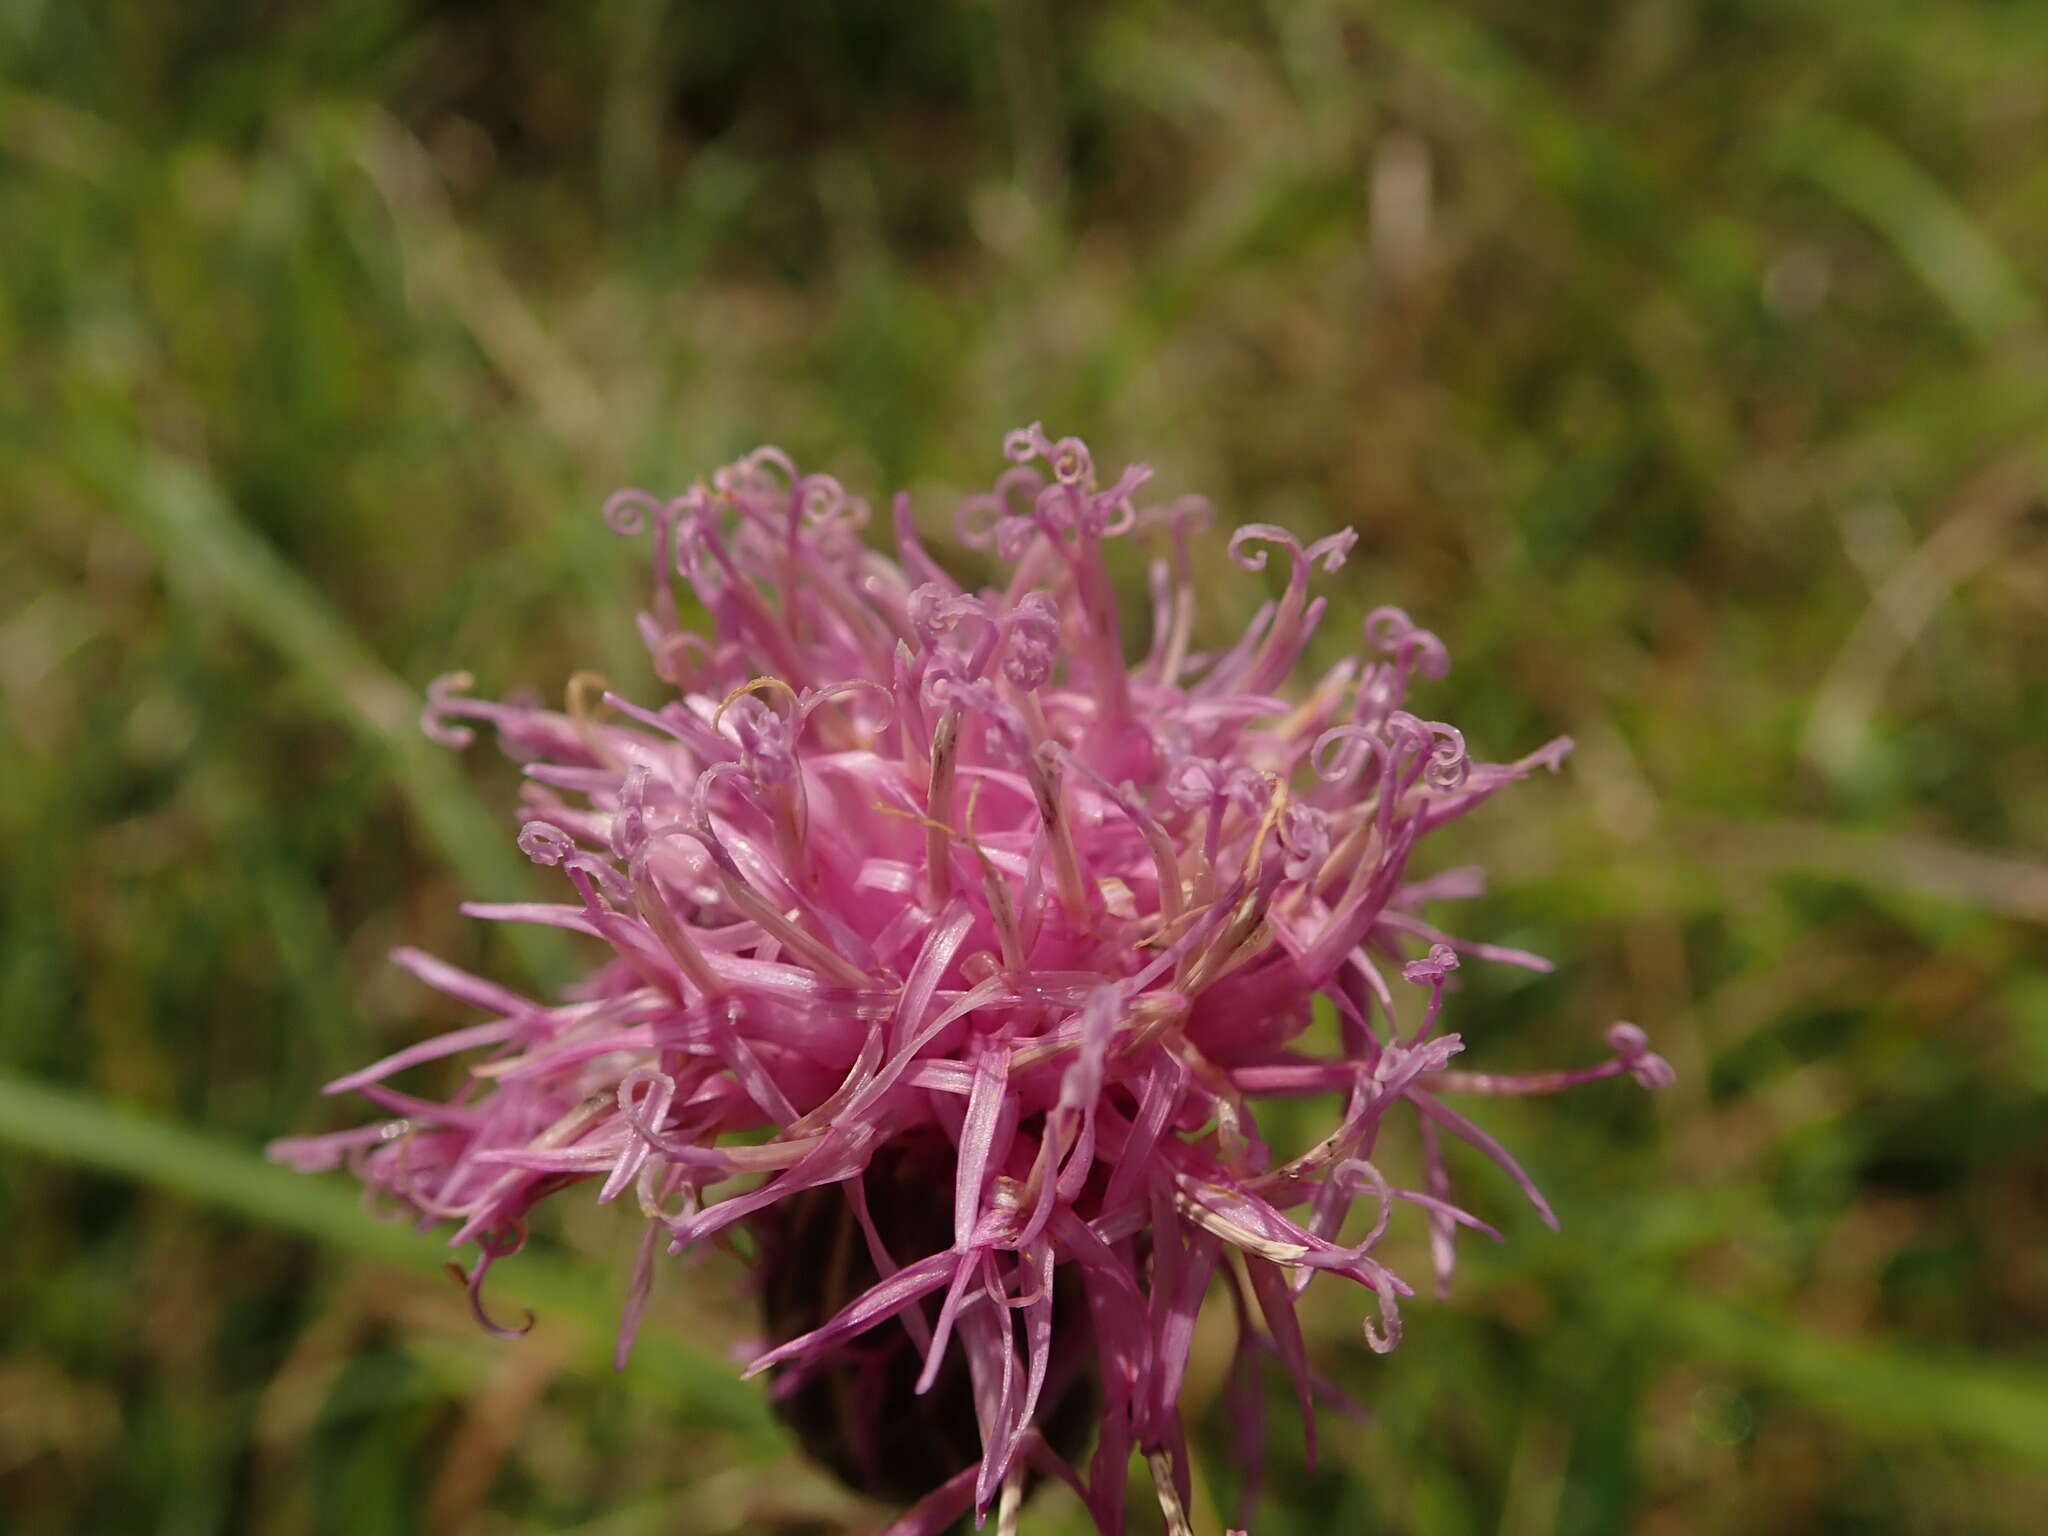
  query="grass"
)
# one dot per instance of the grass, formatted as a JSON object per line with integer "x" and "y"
{"x": 1681, "y": 364}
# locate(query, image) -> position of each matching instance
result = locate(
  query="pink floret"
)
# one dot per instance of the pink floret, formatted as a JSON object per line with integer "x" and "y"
{"x": 893, "y": 860}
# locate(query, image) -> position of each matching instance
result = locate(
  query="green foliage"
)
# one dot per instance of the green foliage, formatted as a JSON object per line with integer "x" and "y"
{"x": 1680, "y": 363}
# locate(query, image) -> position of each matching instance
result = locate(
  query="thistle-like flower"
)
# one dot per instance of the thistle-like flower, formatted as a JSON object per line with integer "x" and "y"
{"x": 951, "y": 954}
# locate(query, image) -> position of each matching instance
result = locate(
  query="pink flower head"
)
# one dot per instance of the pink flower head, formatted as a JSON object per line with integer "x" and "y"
{"x": 952, "y": 954}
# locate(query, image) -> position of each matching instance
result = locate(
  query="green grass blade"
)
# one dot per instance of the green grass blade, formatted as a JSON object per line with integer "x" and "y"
{"x": 214, "y": 556}
{"x": 75, "y": 1129}
{"x": 1883, "y": 1388}
{"x": 1932, "y": 232}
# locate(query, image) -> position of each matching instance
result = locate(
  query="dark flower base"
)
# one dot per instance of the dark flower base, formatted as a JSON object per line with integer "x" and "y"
{"x": 858, "y": 1412}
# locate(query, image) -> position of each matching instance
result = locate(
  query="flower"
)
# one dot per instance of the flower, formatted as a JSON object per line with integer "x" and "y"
{"x": 951, "y": 957}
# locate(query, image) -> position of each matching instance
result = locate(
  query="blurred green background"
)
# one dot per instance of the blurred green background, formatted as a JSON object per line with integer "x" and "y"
{"x": 1682, "y": 362}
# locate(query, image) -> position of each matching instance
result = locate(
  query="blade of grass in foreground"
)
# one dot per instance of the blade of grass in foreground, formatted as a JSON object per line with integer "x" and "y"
{"x": 76, "y": 1129}
{"x": 1889, "y": 1389}
{"x": 212, "y": 555}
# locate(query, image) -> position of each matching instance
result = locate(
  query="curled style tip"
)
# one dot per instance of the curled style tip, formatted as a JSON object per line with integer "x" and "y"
{"x": 443, "y": 700}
